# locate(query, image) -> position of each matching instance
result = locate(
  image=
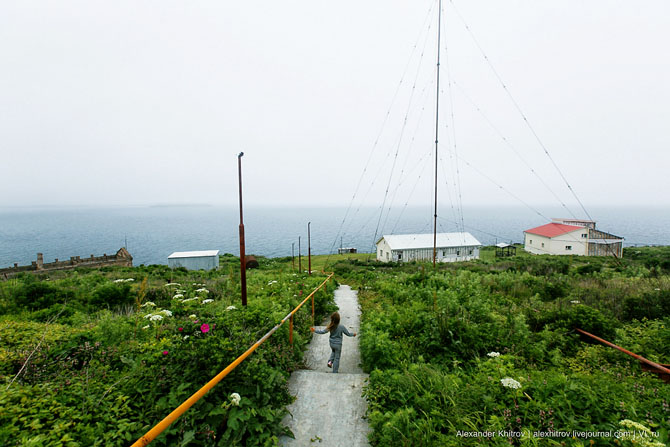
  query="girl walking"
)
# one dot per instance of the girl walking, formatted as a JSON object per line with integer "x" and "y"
{"x": 336, "y": 331}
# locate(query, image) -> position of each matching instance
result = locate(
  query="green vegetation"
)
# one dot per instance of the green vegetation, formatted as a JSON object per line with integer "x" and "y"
{"x": 97, "y": 357}
{"x": 490, "y": 345}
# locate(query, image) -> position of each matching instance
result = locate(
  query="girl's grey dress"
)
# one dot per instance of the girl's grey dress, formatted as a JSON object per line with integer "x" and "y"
{"x": 335, "y": 344}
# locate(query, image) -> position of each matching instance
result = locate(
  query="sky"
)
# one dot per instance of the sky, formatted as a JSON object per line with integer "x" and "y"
{"x": 149, "y": 102}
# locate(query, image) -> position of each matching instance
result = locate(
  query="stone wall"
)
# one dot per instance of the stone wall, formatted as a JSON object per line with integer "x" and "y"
{"x": 121, "y": 258}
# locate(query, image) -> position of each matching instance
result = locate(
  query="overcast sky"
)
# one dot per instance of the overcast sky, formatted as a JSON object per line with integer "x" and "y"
{"x": 146, "y": 102}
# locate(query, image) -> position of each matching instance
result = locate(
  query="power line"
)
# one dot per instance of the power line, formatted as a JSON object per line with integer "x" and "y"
{"x": 513, "y": 149}
{"x": 516, "y": 105}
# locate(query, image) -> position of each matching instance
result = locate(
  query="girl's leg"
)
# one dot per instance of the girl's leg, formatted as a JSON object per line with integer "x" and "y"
{"x": 332, "y": 356}
{"x": 337, "y": 351}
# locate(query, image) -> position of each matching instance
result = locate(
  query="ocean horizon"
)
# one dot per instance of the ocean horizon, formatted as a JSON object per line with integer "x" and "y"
{"x": 152, "y": 233}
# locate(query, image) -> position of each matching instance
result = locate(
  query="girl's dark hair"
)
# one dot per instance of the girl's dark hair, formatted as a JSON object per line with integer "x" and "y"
{"x": 334, "y": 322}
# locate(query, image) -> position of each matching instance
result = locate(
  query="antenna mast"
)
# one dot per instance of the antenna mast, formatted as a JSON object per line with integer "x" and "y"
{"x": 437, "y": 127}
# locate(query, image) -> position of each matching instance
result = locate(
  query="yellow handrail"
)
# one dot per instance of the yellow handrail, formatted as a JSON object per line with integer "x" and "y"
{"x": 188, "y": 403}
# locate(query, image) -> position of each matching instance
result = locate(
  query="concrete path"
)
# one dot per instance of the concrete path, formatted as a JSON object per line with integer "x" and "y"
{"x": 329, "y": 408}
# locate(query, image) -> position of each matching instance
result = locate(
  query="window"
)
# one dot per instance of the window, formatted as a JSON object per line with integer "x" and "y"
{"x": 444, "y": 253}
{"x": 399, "y": 256}
{"x": 568, "y": 247}
{"x": 584, "y": 235}
{"x": 470, "y": 251}
{"x": 458, "y": 252}
{"x": 531, "y": 241}
{"x": 542, "y": 244}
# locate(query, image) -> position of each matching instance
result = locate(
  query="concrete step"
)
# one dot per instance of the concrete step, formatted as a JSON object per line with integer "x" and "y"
{"x": 328, "y": 410}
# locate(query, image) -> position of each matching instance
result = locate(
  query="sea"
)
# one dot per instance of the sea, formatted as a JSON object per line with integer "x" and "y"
{"x": 152, "y": 233}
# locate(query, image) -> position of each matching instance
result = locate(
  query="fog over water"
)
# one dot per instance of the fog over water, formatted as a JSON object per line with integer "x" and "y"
{"x": 152, "y": 233}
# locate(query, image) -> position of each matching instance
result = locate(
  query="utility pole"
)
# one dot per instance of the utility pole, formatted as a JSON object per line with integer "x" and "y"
{"x": 309, "y": 249}
{"x": 293, "y": 255}
{"x": 299, "y": 257}
{"x": 243, "y": 267}
{"x": 437, "y": 128}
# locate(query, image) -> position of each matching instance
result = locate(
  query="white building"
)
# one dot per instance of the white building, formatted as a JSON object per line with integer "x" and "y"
{"x": 419, "y": 247}
{"x": 194, "y": 260}
{"x": 580, "y": 238}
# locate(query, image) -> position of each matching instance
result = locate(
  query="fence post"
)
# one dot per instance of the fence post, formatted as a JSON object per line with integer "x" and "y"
{"x": 313, "y": 309}
{"x": 290, "y": 330}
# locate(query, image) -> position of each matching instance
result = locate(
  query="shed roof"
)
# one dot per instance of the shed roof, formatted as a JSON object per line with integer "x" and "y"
{"x": 553, "y": 229}
{"x": 193, "y": 254}
{"x": 503, "y": 245}
{"x": 414, "y": 241}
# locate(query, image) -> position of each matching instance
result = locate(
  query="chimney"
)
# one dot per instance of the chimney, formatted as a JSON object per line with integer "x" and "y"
{"x": 40, "y": 260}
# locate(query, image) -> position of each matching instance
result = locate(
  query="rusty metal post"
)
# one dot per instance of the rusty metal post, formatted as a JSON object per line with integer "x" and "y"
{"x": 290, "y": 330}
{"x": 299, "y": 257}
{"x": 243, "y": 267}
{"x": 309, "y": 249}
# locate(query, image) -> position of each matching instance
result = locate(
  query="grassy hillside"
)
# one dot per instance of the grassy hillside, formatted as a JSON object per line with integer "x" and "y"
{"x": 98, "y": 357}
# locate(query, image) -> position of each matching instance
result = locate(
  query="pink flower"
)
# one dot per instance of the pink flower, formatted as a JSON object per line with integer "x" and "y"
{"x": 180, "y": 329}
{"x": 165, "y": 352}
{"x": 204, "y": 328}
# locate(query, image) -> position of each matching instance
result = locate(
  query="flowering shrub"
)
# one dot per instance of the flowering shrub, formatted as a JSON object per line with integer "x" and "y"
{"x": 104, "y": 377}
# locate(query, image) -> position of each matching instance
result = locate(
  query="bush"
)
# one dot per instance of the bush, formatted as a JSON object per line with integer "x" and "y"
{"x": 112, "y": 296}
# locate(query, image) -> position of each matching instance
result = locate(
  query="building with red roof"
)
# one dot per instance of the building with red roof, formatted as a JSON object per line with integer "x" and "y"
{"x": 580, "y": 238}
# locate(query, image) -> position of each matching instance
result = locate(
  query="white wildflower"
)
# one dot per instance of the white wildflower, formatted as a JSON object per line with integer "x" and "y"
{"x": 207, "y": 301}
{"x": 172, "y": 284}
{"x": 203, "y": 290}
{"x": 192, "y": 316}
{"x": 272, "y": 282}
{"x": 493, "y": 354}
{"x": 235, "y": 399}
{"x": 155, "y": 318}
{"x": 119, "y": 280}
{"x": 149, "y": 304}
{"x": 146, "y": 327}
{"x": 128, "y": 280}
{"x": 231, "y": 308}
{"x": 188, "y": 300}
{"x": 575, "y": 301}
{"x": 185, "y": 337}
{"x": 177, "y": 296}
{"x": 510, "y": 383}
{"x": 148, "y": 315}
{"x": 166, "y": 312}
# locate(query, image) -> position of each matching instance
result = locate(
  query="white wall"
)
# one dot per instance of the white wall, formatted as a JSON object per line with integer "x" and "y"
{"x": 557, "y": 245}
{"x": 197, "y": 263}
{"x": 383, "y": 251}
{"x": 448, "y": 254}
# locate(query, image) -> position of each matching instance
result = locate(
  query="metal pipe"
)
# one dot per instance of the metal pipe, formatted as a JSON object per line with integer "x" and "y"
{"x": 299, "y": 257}
{"x": 309, "y": 249}
{"x": 292, "y": 255}
{"x": 243, "y": 266}
{"x": 437, "y": 128}
{"x": 625, "y": 351}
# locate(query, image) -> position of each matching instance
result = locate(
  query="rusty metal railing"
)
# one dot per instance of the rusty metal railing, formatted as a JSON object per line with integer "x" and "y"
{"x": 188, "y": 403}
{"x": 660, "y": 369}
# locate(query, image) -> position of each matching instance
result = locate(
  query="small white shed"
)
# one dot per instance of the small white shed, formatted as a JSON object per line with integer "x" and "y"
{"x": 194, "y": 260}
{"x": 419, "y": 247}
